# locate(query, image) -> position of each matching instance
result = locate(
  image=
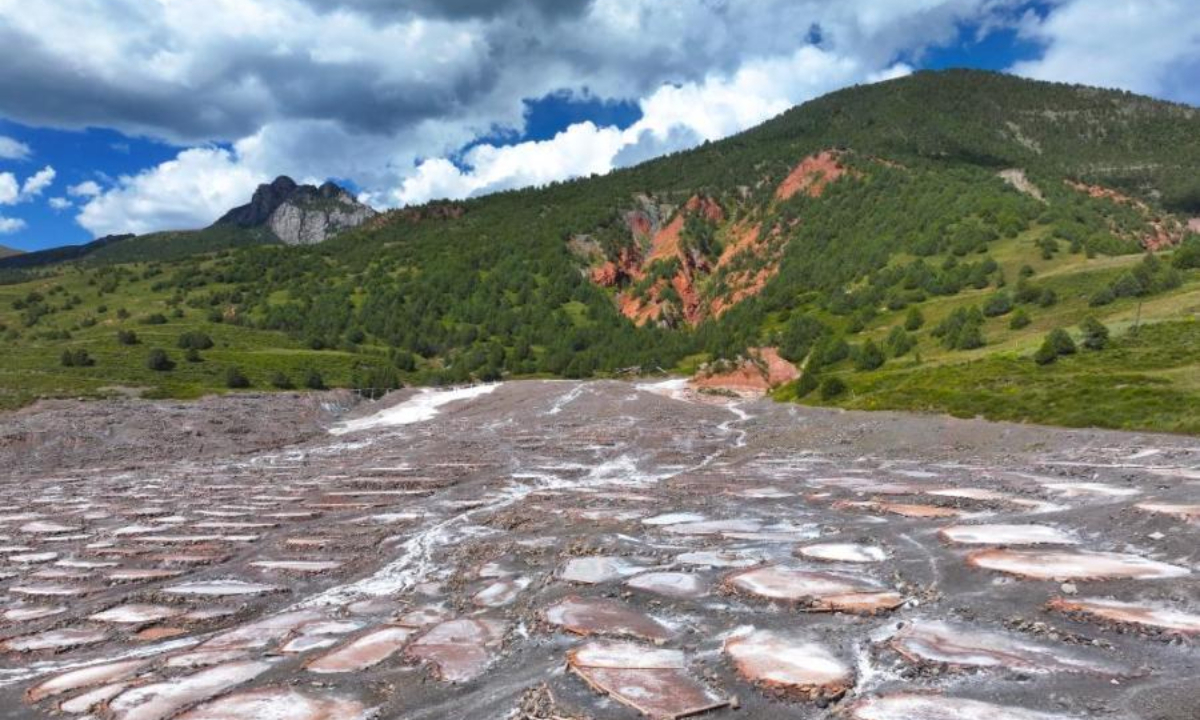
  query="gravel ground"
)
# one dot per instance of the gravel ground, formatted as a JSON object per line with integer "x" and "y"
{"x": 603, "y": 549}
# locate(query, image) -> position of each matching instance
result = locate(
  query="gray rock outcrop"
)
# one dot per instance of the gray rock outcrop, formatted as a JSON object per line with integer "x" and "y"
{"x": 300, "y": 214}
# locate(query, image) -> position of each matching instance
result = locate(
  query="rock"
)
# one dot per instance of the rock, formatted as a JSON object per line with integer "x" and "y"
{"x": 300, "y": 214}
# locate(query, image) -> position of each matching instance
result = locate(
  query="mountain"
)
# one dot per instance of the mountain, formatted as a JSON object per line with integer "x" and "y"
{"x": 281, "y": 212}
{"x": 300, "y": 214}
{"x": 908, "y": 244}
{"x": 56, "y": 255}
{"x": 8, "y": 252}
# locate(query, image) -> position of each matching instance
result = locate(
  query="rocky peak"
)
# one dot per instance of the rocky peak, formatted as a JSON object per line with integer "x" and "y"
{"x": 300, "y": 214}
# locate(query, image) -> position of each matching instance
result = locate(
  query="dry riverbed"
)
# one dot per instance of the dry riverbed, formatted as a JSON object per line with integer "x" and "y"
{"x": 588, "y": 550}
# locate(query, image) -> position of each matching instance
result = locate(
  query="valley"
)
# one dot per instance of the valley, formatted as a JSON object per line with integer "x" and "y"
{"x": 562, "y": 549}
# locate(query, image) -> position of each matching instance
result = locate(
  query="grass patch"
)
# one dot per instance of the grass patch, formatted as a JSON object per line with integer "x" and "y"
{"x": 1144, "y": 381}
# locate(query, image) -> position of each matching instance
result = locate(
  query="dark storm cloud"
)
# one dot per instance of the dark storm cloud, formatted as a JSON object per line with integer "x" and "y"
{"x": 248, "y": 85}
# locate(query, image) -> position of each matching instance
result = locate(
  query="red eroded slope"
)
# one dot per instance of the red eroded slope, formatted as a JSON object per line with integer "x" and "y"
{"x": 811, "y": 175}
{"x": 665, "y": 245}
{"x": 1164, "y": 232}
{"x": 761, "y": 371}
{"x": 628, "y": 266}
{"x": 745, "y": 266}
{"x": 746, "y": 283}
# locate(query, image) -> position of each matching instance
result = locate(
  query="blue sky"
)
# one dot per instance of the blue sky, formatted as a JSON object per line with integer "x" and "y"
{"x": 488, "y": 95}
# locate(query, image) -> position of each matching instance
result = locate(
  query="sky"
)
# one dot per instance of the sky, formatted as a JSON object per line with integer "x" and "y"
{"x": 143, "y": 115}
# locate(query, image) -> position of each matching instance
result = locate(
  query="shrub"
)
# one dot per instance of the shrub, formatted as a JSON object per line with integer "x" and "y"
{"x": 832, "y": 387}
{"x": 970, "y": 338}
{"x": 77, "y": 358}
{"x": 961, "y": 330}
{"x": 1020, "y": 319}
{"x": 193, "y": 355}
{"x": 375, "y": 381}
{"x": 900, "y": 342}
{"x": 1187, "y": 257}
{"x": 998, "y": 304}
{"x": 235, "y": 379}
{"x": 1046, "y": 353}
{"x": 154, "y": 319}
{"x": 281, "y": 381}
{"x": 828, "y": 351}
{"x": 1095, "y": 334}
{"x": 405, "y": 361}
{"x": 1056, "y": 343}
{"x": 313, "y": 380}
{"x": 195, "y": 340}
{"x": 808, "y": 382}
{"x": 914, "y": 320}
{"x": 868, "y": 356}
{"x": 1102, "y": 297}
{"x": 1061, "y": 339}
{"x": 1027, "y": 293}
{"x": 127, "y": 337}
{"x": 800, "y": 335}
{"x": 159, "y": 361}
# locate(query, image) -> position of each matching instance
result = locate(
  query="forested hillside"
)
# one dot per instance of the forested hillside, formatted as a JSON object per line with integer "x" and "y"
{"x": 911, "y": 243}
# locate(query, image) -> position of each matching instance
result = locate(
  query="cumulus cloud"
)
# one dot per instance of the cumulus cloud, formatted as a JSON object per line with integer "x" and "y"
{"x": 59, "y": 204}
{"x": 380, "y": 66}
{"x": 87, "y": 188}
{"x": 383, "y": 93}
{"x": 190, "y": 191}
{"x": 11, "y": 149}
{"x": 12, "y": 191}
{"x": 36, "y": 183}
{"x": 11, "y": 225}
{"x": 1147, "y": 46}
{"x": 386, "y": 92}
{"x": 673, "y": 118}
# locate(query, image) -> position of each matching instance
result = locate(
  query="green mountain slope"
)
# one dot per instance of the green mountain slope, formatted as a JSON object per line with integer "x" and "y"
{"x": 154, "y": 247}
{"x": 909, "y": 243}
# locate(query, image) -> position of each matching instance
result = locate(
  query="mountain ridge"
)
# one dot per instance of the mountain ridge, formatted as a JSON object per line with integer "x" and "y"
{"x": 281, "y": 211}
{"x": 996, "y": 209}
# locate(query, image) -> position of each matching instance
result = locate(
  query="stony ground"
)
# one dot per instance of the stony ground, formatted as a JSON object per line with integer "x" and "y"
{"x": 603, "y": 550}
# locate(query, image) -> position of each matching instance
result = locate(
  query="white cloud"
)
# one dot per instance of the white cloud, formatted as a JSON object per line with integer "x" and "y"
{"x": 36, "y": 183}
{"x": 10, "y": 189}
{"x": 59, "y": 203}
{"x": 11, "y": 225}
{"x": 581, "y": 149}
{"x": 673, "y": 118}
{"x": 11, "y": 149}
{"x": 190, "y": 191}
{"x": 384, "y": 93}
{"x": 87, "y": 188}
{"x": 1146, "y": 46}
